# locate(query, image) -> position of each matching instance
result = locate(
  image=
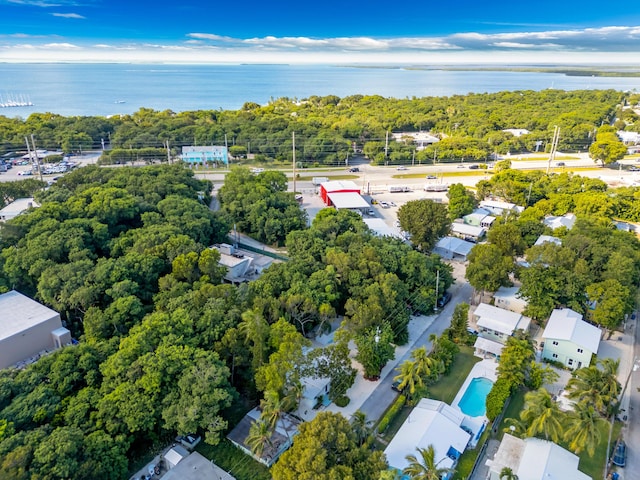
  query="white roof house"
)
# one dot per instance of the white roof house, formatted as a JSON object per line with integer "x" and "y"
{"x": 516, "y": 132}
{"x": 534, "y": 459}
{"x": 565, "y": 324}
{"x": 27, "y": 329}
{"x": 337, "y": 185}
{"x": 481, "y": 217}
{"x": 379, "y": 227}
{"x": 542, "y": 239}
{"x": 348, "y": 200}
{"x": 175, "y": 455}
{"x": 17, "y": 207}
{"x": 453, "y": 248}
{"x": 507, "y": 298}
{"x": 420, "y": 139}
{"x": 468, "y": 231}
{"x": 431, "y": 422}
{"x": 497, "y": 324}
{"x": 196, "y": 467}
{"x": 567, "y": 221}
{"x": 498, "y": 208}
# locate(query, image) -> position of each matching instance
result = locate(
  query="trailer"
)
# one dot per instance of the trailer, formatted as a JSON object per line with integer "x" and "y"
{"x": 399, "y": 189}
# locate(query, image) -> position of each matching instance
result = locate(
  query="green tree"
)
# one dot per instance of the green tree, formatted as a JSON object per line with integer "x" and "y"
{"x": 259, "y": 437}
{"x": 507, "y": 474}
{"x": 425, "y": 466}
{"x": 607, "y": 148}
{"x": 375, "y": 350}
{"x": 361, "y": 427}
{"x": 327, "y": 448}
{"x": 488, "y": 268}
{"x": 599, "y": 387}
{"x": 457, "y": 331}
{"x": 542, "y": 415}
{"x": 414, "y": 371}
{"x": 461, "y": 201}
{"x": 583, "y": 428}
{"x": 425, "y": 220}
{"x": 612, "y": 302}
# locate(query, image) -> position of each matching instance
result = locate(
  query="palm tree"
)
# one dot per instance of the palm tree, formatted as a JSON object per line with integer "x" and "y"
{"x": 423, "y": 362}
{"x": 361, "y": 427}
{"x": 542, "y": 415}
{"x": 583, "y": 432}
{"x": 408, "y": 377}
{"x": 273, "y": 408}
{"x": 255, "y": 330}
{"x": 507, "y": 474}
{"x": 424, "y": 468}
{"x": 597, "y": 386}
{"x": 515, "y": 427}
{"x": 259, "y": 437}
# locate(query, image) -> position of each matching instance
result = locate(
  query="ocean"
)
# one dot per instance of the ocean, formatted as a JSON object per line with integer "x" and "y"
{"x": 108, "y": 89}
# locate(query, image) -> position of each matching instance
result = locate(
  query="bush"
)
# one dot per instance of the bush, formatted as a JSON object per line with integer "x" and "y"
{"x": 342, "y": 401}
{"x": 391, "y": 413}
{"x": 497, "y": 397}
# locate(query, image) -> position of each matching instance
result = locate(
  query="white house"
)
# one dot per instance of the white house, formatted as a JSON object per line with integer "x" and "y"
{"x": 380, "y": 228}
{"x": 498, "y": 208}
{"x": 196, "y": 467}
{"x": 516, "y": 132}
{"x": 567, "y": 221}
{"x": 534, "y": 459}
{"x": 570, "y": 340}
{"x": 419, "y": 139}
{"x": 507, "y": 299}
{"x": 430, "y": 423}
{"x": 542, "y": 239}
{"x": 314, "y": 394}
{"x": 495, "y": 325}
{"x": 453, "y": 248}
{"x": 17, "y": 207}
{"x": 479, "y": 217}
{"x": 281, "y": 437}
{"x": 468, "y": 232}
{"x": 28, "y": 329}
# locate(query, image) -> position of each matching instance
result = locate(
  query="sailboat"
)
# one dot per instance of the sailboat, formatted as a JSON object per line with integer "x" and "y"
{"x": 15, "y": 101}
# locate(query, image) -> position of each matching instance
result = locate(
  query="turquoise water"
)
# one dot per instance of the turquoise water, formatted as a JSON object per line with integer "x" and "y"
{"x": 108, "y": 89}
{"x": 473, "y": 402}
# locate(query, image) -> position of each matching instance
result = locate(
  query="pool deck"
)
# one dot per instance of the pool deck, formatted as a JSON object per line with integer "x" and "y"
{"x": 485, "y": 368}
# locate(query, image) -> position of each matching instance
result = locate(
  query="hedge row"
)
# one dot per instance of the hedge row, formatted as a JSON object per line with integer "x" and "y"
{"x": 391, "y": 413}
{"x": 497, "y": 397}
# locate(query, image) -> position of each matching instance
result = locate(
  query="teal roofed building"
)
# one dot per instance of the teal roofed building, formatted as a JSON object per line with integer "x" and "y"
{"x": 205, "y": 154}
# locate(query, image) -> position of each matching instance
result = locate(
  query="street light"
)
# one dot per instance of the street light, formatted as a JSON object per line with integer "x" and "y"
{"x": 634, "y": 368}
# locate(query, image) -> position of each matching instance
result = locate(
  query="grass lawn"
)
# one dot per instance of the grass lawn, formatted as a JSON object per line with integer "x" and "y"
{"x": 447, "y": 387}
{"x": 468, "y": 458}
{"x": 513, "y": 411}
{"x": 234, "y": 461}
{"x": 397, "y": 422}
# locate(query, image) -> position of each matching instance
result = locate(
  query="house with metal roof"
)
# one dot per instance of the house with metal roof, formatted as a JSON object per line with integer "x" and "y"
{"x": 431, "y": 422}
{"x": 495, "y": 325}
{"x": 16, "y": 208}
{"x": 570, "y": 340}
{"x": 28, "y": 330}
{"x": 554, "y": 222}
{"x": 534, "y": 459}
{"x": 507, "y": 298}
{"x": 453, "y": 248}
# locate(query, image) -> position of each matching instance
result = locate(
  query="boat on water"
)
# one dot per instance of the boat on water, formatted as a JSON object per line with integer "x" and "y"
{"x": 15, "y": 101}
{"x": 120, "y": 101}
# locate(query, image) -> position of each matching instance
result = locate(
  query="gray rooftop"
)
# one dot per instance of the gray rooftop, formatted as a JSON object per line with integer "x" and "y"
{"x": 18, "y": 313}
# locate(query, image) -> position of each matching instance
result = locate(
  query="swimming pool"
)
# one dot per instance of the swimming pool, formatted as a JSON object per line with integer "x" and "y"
{"x": 473, "y": 402}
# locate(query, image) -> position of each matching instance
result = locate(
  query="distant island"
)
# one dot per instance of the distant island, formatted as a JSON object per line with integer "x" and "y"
{"x": 616, "y": 71}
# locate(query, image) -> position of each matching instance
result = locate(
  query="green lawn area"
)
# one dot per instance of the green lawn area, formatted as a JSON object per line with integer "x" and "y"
{"x": 468, "y": 458}
{"x": 592, "y": 466}
{"x": 234, "y": 461}
{"x": 513, "y": 411}
{"x": 447, "y": 387}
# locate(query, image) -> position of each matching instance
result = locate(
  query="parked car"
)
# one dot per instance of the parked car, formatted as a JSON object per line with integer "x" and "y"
{"x": 25, "y": 173}
{"x": 396, "y": 386}
{"x": 620, "y": 454}
{"x": 384, "y": 204}
{"x": 444, "y": 299}
{"x": 633, "y": 168}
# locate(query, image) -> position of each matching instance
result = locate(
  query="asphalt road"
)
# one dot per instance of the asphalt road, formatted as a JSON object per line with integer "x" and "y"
{"x": 383, "y": 396}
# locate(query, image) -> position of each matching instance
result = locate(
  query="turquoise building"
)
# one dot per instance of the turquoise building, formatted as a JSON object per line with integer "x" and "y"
{"x": 205, "y": 154}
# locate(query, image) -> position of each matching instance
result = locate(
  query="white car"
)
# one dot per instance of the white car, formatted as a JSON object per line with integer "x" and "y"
{"x": 402, "y": 167}
{"x": 25, "y": 173}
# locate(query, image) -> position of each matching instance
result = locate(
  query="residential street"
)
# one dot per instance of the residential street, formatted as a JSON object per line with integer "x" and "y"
{"x": 380, "y": 399}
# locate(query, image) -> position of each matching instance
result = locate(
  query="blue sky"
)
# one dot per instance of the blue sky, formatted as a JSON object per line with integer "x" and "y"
{"x": 538, "y": 31}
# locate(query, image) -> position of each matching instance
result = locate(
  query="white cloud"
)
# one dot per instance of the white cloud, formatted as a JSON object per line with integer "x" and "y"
{"x": 69, "y": 15}
{"x": 45, "y": 4}
{"x": 613, "y": 42}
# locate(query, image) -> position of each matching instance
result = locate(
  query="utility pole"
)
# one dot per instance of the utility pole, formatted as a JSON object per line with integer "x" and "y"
{"x": 554, "y": 146}
{"x": 35, "y": 152}
{"x": 386, "y": 148}
{"x": 413, "y": 160}
{"x": 168, "y": 152}
{"x": 293, "y": 137}
{"x": 435, "y": 306}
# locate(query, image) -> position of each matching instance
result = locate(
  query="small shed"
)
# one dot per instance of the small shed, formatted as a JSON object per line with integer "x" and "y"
{"x": 338, "y": 186}
{"x": 175, "y": 455}
{"x": 453, "y": 248}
